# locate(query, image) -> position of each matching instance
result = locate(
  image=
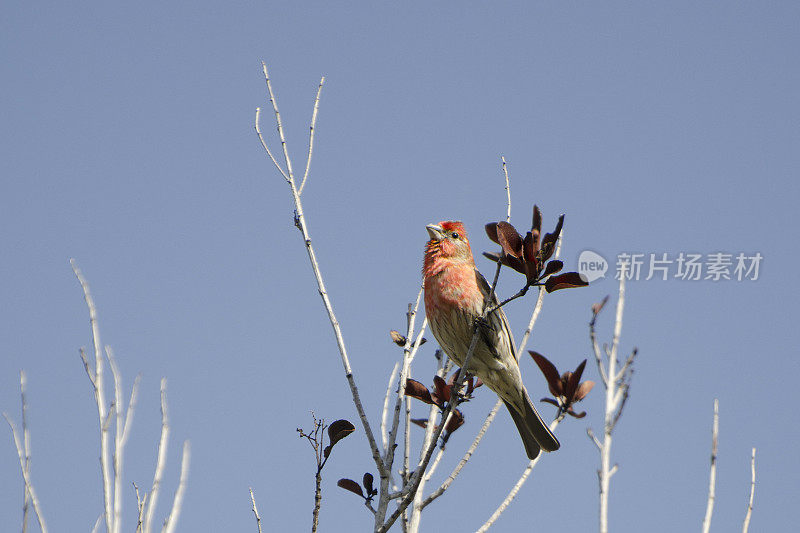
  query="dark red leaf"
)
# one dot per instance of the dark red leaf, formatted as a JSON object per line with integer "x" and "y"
{"x": 442, "y": 390}
{"x": 417, "y": 390}
{"x": 478, "y": 382}
{"x": 564, "y": 281}
{"x": 491, "y": 232}
{"x": 550, "y": 373}
{"x": 576, "y": 415}
{"x": 352, "y": 486}
{"x": 536, "y": 225}
{"x": 552, "y": 267}
{"x": 516, "y": 264}
{"x": 367, "y": 482}
{"x": 550, "y": 239}
{"x": 571, "y": 386}
{"x": 509, "y": 239}
{"x": 529, "y": 251}
{"x": 579, "y": 370}
{"x": 339, "y": 430}
{"x": 550, "y": 400}
{"x": 583, "y": 390}
{"x": 421, "y": 422}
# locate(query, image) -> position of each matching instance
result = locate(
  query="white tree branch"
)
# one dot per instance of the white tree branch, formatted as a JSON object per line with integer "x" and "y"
{"x": 255, "y": 510}
{"x": 746, "y": 524}
{"x": 712, "y": 478}
{"x": 171, "y": 522}
{"x": 24, "y": 454}
{"x": 392, "y": 377}
{"x": 161, "y": 461}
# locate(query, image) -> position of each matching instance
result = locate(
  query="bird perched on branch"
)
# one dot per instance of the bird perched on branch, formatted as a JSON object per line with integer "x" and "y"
{"x": 455, "y": 296}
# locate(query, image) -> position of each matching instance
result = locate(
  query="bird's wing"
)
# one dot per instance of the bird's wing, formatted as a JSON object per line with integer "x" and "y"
{"x": 499, "y": 316}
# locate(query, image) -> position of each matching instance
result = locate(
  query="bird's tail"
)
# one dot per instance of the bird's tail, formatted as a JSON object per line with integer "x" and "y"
{"x": 534, "y": 432}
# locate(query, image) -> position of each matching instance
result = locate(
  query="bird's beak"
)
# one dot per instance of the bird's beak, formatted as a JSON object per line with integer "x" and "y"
{"x": 435, "y": 231}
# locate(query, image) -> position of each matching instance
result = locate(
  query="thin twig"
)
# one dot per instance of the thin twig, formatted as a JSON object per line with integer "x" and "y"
{"x": 712, "y": 480}
{"x": 746, "y": 524}
{"x": 311, "y": 136}
{"x": 392, "y": 376}
{"x": 264, "y": 144}
{"x": 24, "y": 462}
{"x": 140, "y": 504}
{"x": 591, "y": 435}
{"x": 596, "y": 350}
{"x": 97, "y": 522}
{"x": 171, "y": 522}
{"x": 26, "y": 445}
{"x": 508, "y": 190}
{"x": 161, "y": 460}
{"x": 255, "y": 510}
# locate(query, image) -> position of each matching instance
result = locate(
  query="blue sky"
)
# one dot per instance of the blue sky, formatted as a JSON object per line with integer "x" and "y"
{"x": 127, "y": 144}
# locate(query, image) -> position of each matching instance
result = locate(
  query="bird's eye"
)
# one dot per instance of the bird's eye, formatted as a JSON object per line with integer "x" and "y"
{"x": 455, "y": 235}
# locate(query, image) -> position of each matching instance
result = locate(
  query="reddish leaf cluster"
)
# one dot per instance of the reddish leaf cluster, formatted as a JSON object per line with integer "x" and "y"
{"x": 439, "y": 396}
{"x": 369, "y": 491}
{"x": 566, "y": 388}
{"x": 530, "y": 255}
{"x": 441, "y": 390}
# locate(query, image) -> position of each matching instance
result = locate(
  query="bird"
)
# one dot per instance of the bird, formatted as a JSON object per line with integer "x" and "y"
{"x": 455, "y": 296}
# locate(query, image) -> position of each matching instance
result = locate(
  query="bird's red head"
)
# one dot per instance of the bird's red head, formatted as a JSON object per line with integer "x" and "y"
{"x": 448, "y": 245}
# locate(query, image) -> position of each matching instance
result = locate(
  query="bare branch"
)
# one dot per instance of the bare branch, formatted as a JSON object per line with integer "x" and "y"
{"x": 97, "y": 522}
{"x": 171, "y": 521}
{"x": 537, "y": 308}
{"x": 712, "y": 481}
{"x": 274, "y": 102}
{"x": 25, "y": 474}
{"x": 508, "y": 190}
{"x": 392, "y": 376}
{"x": 746, "y": 524}
{"x": 596, "y": 350}
{"x": 140, "y": 505}
{"x": 161, "y": 460}
{"x": 311, "y": 136}
{"x": 591, "y": 435}
{"x": 26, "y": 446}
{"x": 255, "y": 510}
{"x": 264, "y": 144}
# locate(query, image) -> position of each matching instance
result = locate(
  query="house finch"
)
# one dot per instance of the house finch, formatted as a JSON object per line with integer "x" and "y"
{"x": 455, "y": 295}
